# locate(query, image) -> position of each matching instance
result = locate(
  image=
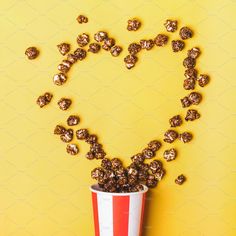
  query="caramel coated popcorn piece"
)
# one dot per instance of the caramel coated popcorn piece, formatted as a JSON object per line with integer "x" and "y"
{"x": 185, "y": 33}
{"x": 195, "y": 98}
{"x": 203, "y": 80}
{"x": 148, "y": 153}
{"x": 94, "y": 47}
{"x": 115, "y": 51}
{"x": 63, "y": 48}
{"x": 32, "y": 53}
{"x": 44, "y": 99}
{"x": 175, "y": 121}
{"x": 82, "y": 19}
{"x": 185, "y": 137}
{"x": 134, "y": 48}
{"x": 177, "y": 45}
{"x": 64, "y": 103}
{"x": 73, "y": 120}
{"x": 67, "y": 136}
{"x": 138, "y": 159}
{"x": 82, "y": 134}
{"x": 154, "y": 145}
{"x": 130, "y": 61}
{"x": 189, "y": 84}
{"x": 146, "y": 44}
{"x": 133, "y": 24}
{"x": 189, "y": 62}
{"x": 151, "y": 181}
{"x": 191, "y": 73}
{"x": 180, "y": 179}
{"x": 171, "y": 25}
{"x": 65, "y": 66}
{"x": 161, "y": 40}
{"x": 83, "y": 39}
{"x": 185, "y": 102}
{"x": 72, "y": 58}
{"x": 155, "y": 166}
{"x": 80, "y": 54}
{"x": 72, "y": 149}
{"x": 59, "y": 129}
{"x": 59, "y": 79}
{"x": 100, "y": 36}
{"x": 170, "y": 154}
{"x": 192, "y": 115}
{"x": 170, "y": 136}
{"x": 108, "y": 43}
{"x": 92, "y": 138}
{"x": 194, "y": 52}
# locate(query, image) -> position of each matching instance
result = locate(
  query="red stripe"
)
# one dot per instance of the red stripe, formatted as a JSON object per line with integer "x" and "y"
{"x": 120, "y": 215}
{"x": 142, "y": 214}
{"x": 95, "y": 214}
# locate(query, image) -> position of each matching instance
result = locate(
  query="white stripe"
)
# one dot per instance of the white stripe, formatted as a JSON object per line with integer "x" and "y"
{"x": 135, "y": 211}
{"x": 105, "y": 214}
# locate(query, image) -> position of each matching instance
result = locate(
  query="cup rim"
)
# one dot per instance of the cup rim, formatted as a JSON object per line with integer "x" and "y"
{"x": 95, "y": 189}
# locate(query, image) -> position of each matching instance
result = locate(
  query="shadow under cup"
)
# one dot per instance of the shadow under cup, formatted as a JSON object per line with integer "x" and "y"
{"x": 118, "y": 214}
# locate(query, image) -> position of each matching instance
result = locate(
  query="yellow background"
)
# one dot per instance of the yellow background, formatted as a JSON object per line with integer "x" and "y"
{"x": 43, "y": 190}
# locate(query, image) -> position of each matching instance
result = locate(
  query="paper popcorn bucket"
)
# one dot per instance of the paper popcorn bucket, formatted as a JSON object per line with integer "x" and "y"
{"x": 118, "y": 214}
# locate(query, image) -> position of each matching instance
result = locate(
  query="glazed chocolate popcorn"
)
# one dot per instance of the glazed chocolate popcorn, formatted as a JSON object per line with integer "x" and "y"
{"x": 100, "y": 36}
{"x": 170, "y": 154}
{"x": 82, "y": 19}
{"x": 112, "y": 176}
{"x": 185, "y": 33}
{"x": 177, "y": 45}
{"x": 203, "y": 80}
{"x": 161, "y": 40}
{"x": 59, "y": 79}
{"x": 185, "y": 137}
{"x": 94, "y": 47}
{"x": 155, "y": 166}
{"x": 106, "y": 163}
{"x": 189, "y": 84}
{"x": 138, "y": 159}
{"x": 67, "y": 136}
{"x": 59, "y": 129}
{"x": 115, "y": 51}
{"x": 134, "y": 48}
{"x": 65, "y": 66}
{"x": 44, "y": 99}
{"x": 73, "y": 120}
{"x": 82, "y": 134}
{"x": 192, "y": 115}
{"x": 72, "y": 149}
{"x": 189, "y": 62}
{"x": 130, "y": 61}
{"x": 63, "y": 48}
{"x": 175, "y": 121}
{"x": 148, "y": 153}
{"x": 108, "y": 43}
{"x": 151, "y": 181}
{"x": 80, "y": 54}
{"x": 92, "y": 138}
{"x": 195, "y": 98}
{"x": 154, "y": 145}
{"x": 194, "y": 53}
{"x": 64, "y": 103}
{"x": 171, "y": 25}
{"x": 146, "y": 44}
{"x": 32, "y": 53}
{"x": 191, "y": 73}
{"x": 133, "y": 25}
{"x": 72, "y": 58}
{"x": 170, "y": 136}
{"x": 185, "y": 102}
{"x": 180, "y": 179}
{"x": 83, "y": 39}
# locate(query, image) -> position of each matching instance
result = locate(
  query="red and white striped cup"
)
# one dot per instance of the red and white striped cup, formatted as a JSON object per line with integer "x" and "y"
{"x": 118, "y": 214}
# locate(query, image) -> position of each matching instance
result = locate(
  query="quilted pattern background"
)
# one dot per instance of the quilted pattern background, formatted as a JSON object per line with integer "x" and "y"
{"x": 43, "y": 190}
